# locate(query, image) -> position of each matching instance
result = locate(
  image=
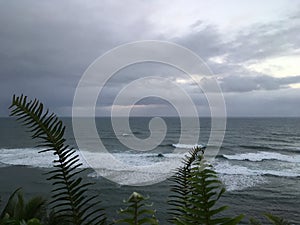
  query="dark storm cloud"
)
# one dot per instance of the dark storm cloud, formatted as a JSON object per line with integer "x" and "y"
{"x": 45, "y": 47}
{"x": 47, "y": 37}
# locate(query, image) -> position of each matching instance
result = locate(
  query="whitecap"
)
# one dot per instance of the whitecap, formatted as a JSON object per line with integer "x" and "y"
{"x": 186, "y": 146}
{"x": 260, "y": 156}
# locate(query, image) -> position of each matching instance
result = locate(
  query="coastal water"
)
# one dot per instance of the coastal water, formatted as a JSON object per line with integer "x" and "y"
{"x": 259, "y": 163}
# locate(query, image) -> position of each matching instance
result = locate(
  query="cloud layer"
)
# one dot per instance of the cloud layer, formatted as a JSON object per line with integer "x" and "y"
{"x": 46, "y": 47}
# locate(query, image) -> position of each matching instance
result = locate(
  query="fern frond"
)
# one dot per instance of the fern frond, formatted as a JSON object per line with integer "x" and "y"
{"x": 180, "y": 187}
{"x": 276, "y": 220}
{"x": 17, "y": 210}
{"x": 253, "y": 221}
{"x": 196, "y": 191}
{"x": 70, "y": 191}
{"x": 137, "y": 213}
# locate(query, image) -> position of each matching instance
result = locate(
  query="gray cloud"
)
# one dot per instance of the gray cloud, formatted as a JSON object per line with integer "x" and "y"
{"x": 247, "y": 83}
{"x": 45, "y": 47}
{"x": 206, "y": 42}
{"x": 261, "y": 41}
{"x": 279, "y": 103}
{"x": 252, "y": 43}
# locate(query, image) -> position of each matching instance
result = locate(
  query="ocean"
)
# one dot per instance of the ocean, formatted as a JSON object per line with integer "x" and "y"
{"x": 259, "y": 163}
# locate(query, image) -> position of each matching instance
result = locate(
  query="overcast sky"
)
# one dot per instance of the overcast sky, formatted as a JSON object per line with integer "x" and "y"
{"x": 252, "y": 48}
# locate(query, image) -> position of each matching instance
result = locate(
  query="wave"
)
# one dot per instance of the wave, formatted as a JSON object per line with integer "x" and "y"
{"x": 287, "y": 147}
{"x": 235, "y": 177}
{"x": 256, "y": 147}
{"x": 273, "y": 139}
{"x": 228, "y": 169}
{"x": 186, "y": 146}
{"x": 26, "y": 157}
{"x": 261, "y": 156}
{"x": 291, "y": 149}
{"x": 31, "y": 157}
{"x": 132, "y": 168}
{"x": 284, "y": 134}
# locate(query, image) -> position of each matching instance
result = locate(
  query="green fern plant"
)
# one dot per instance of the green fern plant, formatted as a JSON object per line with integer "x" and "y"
{"x": 196, "y": 192}
{"x": 17, "y": 211}
{"x": 137, "y": 212}
{"x": 70, "y": 202}
{"x": 276, "y": 220}
{"x": 180, "y": 188}
{"x": 253, "y": 221}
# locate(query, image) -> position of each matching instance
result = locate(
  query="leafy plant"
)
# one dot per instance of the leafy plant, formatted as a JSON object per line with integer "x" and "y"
{"x": 137, "y": 213}
{"x": 276, "y": 220}
{"x": 253, "y": 221}
{"x": 17, "y": 211}
{"x": 69, "y": 194}
{"x": 197, "y": 190}
{"x": 180, "y": 188}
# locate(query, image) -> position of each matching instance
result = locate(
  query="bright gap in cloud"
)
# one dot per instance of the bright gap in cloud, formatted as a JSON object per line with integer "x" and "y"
{"x": 182, "y": 17}
{"x": 283, "y": 66}
{"x": 297, "y": 85}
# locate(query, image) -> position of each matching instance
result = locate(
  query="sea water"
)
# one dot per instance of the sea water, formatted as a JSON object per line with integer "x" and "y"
{"x": 259, "y": 161}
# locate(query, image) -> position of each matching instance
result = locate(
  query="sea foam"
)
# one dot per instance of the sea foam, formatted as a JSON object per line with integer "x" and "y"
{"x": 235, "y": 177}
{"x": 261, "y": 156}
{"x": 186, "y": 146}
